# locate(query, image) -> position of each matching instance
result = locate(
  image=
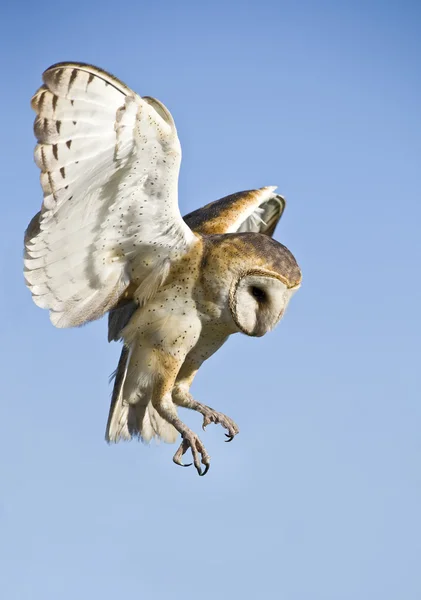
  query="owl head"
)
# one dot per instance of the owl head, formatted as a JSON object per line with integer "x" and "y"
{"x": 256, "y": 278}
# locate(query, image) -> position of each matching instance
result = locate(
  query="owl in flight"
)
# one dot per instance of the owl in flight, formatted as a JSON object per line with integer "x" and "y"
{"x": 110, "y": 239}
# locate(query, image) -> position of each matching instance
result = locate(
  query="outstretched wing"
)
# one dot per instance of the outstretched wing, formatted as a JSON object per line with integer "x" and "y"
{"x": 254, "y": 210}
{"x": 109, "y": 163}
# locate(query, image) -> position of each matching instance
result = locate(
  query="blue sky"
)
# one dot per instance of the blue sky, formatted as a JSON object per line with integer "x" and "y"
{"x": 319, "y": 496}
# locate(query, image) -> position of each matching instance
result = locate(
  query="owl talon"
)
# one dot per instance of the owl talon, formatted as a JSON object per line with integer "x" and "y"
{"x": 183, "y": 398}
{"x": 200, "y": 456}
{"x": 211, "y": 416}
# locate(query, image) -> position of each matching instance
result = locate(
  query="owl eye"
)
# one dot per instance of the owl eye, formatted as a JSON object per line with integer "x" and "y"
{"x": 258, "y": 293}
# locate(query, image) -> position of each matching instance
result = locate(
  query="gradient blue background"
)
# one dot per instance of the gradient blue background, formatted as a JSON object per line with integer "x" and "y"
{"x": 319, "y": 496}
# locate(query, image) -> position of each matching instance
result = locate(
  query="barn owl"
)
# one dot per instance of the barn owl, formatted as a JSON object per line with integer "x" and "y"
{"x": 110, "y": 239}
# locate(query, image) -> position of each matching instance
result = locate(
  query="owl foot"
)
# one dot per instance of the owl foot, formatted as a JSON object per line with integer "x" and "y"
{"x": 211, "y": 416}
{"x": 191, "y": 440}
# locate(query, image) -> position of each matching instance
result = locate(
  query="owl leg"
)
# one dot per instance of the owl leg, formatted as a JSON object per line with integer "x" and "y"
{"x": 182, "y": 397}
{"x": 163, "y": 403}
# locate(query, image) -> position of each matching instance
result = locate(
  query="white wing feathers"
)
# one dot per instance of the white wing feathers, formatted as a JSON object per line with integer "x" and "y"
{"x": 109, "y": 165}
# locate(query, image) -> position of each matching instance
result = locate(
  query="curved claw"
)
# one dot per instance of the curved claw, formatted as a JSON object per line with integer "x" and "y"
{"x": 205, "y": 471}
{"x": 180, "y": 464}
{"x": 230, "y": 437}
{"x": 196, "y": 460}
{"x": 206, "y": 421}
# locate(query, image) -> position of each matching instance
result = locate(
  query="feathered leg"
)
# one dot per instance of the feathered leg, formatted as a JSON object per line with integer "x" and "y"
{"x": 182, "y": 397}
{"x": 163, "y": 403}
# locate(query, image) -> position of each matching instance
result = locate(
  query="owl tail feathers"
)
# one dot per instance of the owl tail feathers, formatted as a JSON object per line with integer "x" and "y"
{"x": 141, "y": 420}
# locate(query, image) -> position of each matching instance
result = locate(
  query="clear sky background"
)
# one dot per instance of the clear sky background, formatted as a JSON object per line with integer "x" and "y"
{"x": 319, "y": 496}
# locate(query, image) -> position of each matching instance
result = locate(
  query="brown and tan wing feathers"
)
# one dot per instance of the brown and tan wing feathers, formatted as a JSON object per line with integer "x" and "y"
{"x": 258, "y": 211}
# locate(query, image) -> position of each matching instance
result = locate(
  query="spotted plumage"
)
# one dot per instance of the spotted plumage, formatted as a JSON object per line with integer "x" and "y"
{"x": 110, "y": 238}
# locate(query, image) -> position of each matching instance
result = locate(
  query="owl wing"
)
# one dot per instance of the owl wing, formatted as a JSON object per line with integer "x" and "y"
{"x": 109, "y": 163}
{"x": 253, "y": 210}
